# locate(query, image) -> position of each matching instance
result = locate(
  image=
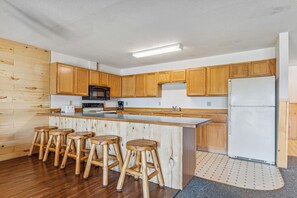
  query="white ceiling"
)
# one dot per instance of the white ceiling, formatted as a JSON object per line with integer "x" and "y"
{"x": 108, "y": 31}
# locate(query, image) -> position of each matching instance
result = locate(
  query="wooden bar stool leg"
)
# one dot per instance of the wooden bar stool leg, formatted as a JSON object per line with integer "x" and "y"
{"x": 41, "y": 148}
{"x": 95, "y": 156}
{"x": 118, "y": 154}
{"x": 105, "y": 165}
{"x": 57, "y": 151}
{"x": 89, "y": 162}
{"x": 145, "y": 184}
{"x": 78, "y": 157}
{"x": 32, "y": 145}
{"x": 137, "y": 163}
{"x": 64, "y": 161}
{"x": 158, "y": 168}
{"x": 47, "y": 148}
{"x": 123, "y": 172}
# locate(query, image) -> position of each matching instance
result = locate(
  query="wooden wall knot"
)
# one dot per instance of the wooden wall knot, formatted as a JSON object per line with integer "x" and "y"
{"x": 14, "y": 78}
{"x": 31, "y": 88}
{"x": 3, "y": 97}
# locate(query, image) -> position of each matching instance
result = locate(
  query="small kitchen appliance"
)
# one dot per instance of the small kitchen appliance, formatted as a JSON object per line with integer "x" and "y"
{"x": 120, "y": 105}
{"x": 98, "y": 93}
{"x": 68, "y": 109}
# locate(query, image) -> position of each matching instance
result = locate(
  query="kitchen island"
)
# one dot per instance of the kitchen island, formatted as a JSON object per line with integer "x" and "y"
{"x": 176, "y": 138}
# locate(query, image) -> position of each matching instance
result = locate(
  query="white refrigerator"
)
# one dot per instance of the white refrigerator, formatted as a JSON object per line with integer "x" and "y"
{"x": 251, "y": 117}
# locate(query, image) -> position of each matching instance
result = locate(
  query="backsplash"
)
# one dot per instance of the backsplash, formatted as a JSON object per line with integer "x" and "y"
{"x": 173, "y": 94}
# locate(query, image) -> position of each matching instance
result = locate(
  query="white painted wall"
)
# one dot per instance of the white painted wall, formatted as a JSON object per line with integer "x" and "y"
{"x": 282, "y": 53}
{"x": 293, "y": 83}
{"x": 172, "y": 94}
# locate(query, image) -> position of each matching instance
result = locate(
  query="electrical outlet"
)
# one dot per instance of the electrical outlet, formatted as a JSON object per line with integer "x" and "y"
{"x": 208, "y": 104}
{"x": 159, "y": 103}
{"x": 126, "y": 103}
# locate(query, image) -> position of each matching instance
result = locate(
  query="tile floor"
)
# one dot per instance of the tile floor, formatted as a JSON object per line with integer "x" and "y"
{"x": 239, "y": 173}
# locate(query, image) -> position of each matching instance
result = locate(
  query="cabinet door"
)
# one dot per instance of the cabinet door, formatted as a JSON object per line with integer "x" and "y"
{"x": 239, "y": 70}
{"x": 128, "y": 86}
{"x": 104, "y": 79}
{"x": 65, "y": 79}
{"x": 262, "y": 68}
{"x": 94, "y": 77}
{"x": 217, "y": 80}
{"x": 216, "y": 137}
{"x": 115, "y": 83}
{"x": 200, "y": 137}
{"x": 178, "y": 76}
{"x": 151, "y": 86}
{"x": 81, "y": 81}
{"x": 139, "y": 85}
{"x": 164, "y": 77}
{"x": 196, "y": 82}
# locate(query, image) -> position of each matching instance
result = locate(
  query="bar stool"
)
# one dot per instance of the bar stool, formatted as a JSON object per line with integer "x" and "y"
{"x": 56, "y": 143}
{"x": 140, "y": 146}
{"x": 79, "y": 154}
{"x": 41, "y": 132}
{"x": 105, "y": 141}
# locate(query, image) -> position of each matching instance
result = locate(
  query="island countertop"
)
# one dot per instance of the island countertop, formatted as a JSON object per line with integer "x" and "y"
{"x": 161, "y": 120}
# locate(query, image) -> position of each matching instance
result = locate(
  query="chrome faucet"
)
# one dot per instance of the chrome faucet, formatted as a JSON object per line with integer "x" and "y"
{"x": 176, "y": 108}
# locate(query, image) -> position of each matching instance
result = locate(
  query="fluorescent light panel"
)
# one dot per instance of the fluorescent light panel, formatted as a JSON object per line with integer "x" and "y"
{"x": 159, "y": 50}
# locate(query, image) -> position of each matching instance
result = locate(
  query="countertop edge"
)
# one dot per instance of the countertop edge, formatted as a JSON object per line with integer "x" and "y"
{"x": 130, "y": 120}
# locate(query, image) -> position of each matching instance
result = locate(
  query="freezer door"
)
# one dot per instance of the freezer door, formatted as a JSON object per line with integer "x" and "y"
{"x": 252, "y": 133}
{"x": 258, "y": 91}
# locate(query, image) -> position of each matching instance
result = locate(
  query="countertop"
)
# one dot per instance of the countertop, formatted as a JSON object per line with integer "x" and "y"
{"x": 161, "y": 120}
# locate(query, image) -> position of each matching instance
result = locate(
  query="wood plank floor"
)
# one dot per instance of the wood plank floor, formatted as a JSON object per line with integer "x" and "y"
{"x": 29, "y": 177}
{"x": 292, "y": 148}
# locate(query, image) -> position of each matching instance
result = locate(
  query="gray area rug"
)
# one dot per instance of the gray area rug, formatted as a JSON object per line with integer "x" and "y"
{"x": 204, "y": 188}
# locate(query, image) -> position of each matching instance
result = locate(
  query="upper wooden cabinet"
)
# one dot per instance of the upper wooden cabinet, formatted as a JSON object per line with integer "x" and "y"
{"x": 178, "y": 76}
{"x": 152, "y": 89}
{"x": 164, "y": 77}
{"x": 81, "y": 81}
{"x": 104, "y": 79}
{"x": 217, "y": 80}
{"x": 128, "y": 86}
{"x": 68, "y": 80}
{"x": 196, "y": 82}
{"x": 115, "y": 83}
{"x": 262, "y": 68}
{"x": 94, "y": 77}
{"x": 140, "y": 85}
{"x": 239, "y": 70}
{"x": 171, "y": 76}
{"x": 65, "y": 81}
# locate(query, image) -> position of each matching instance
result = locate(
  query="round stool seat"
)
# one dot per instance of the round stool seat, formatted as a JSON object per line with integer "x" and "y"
{"x": 105, "y": 139}
{"x": 81, "y": 135}
{"x": 44, "y": 128}
{"x": 141, "y": 145}
{"x": 61, "y": 131}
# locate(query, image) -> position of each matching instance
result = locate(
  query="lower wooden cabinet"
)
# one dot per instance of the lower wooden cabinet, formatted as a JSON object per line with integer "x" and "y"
{"x": 212, "y": 137}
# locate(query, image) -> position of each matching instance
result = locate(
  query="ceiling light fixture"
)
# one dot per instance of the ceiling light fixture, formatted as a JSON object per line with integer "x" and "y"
{"x": 158, "y": 50}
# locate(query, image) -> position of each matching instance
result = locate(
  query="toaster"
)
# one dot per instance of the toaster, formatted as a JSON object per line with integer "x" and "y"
{"x": 68, "y": 109}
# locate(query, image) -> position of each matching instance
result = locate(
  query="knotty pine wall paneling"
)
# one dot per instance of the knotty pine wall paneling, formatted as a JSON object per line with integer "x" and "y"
{"x": 24, "y": 91}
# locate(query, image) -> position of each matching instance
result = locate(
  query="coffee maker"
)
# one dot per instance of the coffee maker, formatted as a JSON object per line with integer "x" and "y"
{"x": 120, "y": 105}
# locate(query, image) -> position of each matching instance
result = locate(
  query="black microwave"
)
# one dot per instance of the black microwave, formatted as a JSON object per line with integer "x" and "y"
{"x": 98, "y": 93}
